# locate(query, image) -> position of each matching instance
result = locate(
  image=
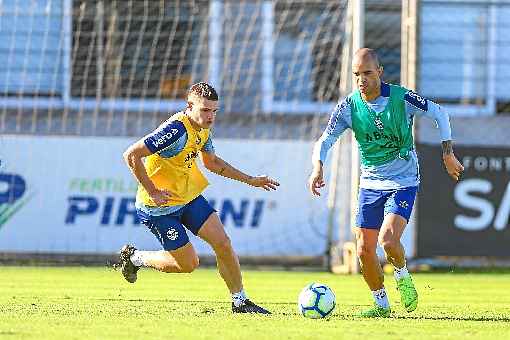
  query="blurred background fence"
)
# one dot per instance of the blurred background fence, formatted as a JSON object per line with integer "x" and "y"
{"x": 81, "y": 80}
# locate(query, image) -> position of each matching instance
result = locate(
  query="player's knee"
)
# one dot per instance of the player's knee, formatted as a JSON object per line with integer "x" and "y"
{"x": 389, "y": 244}
{"x": 190, "y": 265}
{"x": 364, "y": 251}
{"x": 223, "y": 246}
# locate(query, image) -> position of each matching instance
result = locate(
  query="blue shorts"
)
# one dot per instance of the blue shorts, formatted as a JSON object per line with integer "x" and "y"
{"x": 375, "y": 204}
{"x": 170, "y": 229}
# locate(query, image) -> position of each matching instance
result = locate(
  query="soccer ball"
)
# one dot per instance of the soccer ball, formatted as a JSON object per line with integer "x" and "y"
{"x": 316, "y": 301}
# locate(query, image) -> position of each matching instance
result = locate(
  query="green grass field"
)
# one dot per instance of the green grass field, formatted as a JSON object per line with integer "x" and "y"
{"x": 96, "y": 303}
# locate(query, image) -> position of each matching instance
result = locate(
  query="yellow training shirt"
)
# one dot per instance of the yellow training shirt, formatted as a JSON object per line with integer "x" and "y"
{"x": 172, "y": 166}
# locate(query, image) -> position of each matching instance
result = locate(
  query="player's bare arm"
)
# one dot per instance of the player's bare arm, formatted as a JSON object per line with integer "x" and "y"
{"x": 452, "y": 164}
{"x": 218, "y": 166}
{"x": 316, "y": 179}
{"x": 134, "y": 158}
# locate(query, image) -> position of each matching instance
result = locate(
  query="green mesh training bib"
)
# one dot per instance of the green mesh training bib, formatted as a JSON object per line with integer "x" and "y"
{"x": 383, "y": 136}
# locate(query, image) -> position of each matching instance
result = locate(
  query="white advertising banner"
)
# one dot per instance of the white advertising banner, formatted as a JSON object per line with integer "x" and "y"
{"x": 76, "y": 195}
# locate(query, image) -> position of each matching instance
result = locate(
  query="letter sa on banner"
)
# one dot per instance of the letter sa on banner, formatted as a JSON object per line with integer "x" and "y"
{"x": 470, "y": 217}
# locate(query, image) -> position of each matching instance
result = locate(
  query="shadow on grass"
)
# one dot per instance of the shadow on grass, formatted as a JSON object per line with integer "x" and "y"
{"x": 417, "y": 318}
{"x": 333, "y": 317}
{"x": 456, "y": 318}
{"x": 182, "y": 301}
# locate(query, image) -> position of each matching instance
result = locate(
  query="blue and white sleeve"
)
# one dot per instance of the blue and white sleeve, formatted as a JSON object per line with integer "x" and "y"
{"x": 416, "y": 104}
{"x": 336, "y": 126}
{"x": 208, "y": 146}
{"x": 167, "y": 136}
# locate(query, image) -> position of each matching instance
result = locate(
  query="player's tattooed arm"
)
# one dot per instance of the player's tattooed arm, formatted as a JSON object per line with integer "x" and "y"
{"x": 220, "y": 167}
{"x": 452, "y": 165}
{"x": 224, "y": 167}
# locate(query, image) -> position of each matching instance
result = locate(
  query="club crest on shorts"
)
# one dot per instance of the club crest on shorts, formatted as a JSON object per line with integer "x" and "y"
{"x": 172, "y": 234}
{"x": 404, "y": 204}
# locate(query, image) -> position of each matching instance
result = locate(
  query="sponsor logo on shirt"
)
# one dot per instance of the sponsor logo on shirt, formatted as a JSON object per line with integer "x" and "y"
{"x": 416, "y": 100}
{"x": 190, "y": 157}
{"x": 417, "y": 97}
{"x": 164, "y": 138}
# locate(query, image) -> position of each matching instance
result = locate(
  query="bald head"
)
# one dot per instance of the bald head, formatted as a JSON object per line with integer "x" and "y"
{"x": 367, "y": 73}
{"x": 364, "y": 55}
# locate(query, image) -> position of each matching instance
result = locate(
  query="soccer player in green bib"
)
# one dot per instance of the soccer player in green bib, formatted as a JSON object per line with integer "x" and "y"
{"x": 381, "y": 117}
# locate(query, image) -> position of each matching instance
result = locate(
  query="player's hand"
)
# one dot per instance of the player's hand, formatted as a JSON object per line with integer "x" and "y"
{"x": 264, "y": 182}
{"x": 160, "y": 197}
{"x": 453, "y": 166}
{"x": 316, "y": 181}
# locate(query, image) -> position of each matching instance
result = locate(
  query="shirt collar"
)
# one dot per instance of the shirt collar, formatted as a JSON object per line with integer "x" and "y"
{"x": 385, "y": 89}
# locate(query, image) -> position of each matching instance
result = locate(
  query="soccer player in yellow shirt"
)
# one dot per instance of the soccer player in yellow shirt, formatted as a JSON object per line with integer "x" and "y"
{"x": 169, "y": 197}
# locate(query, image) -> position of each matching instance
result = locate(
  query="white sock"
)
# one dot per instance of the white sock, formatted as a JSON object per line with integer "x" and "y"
{"x": 381, "y": 298}
{"x": 138, "y": 258}
{"x": 400, "y": 272}
{"x": 238, "y": 298}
